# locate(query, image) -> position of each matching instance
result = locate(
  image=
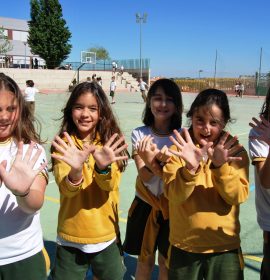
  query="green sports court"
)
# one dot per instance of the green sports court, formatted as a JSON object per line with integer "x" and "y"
{"x": 128, "y": 109}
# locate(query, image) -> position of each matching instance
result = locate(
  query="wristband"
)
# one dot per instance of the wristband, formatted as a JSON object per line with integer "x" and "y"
{"x": 22, "y": 195}
{"x": 104, "y": 171}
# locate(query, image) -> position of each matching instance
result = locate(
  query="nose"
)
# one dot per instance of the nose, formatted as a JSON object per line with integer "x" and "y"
{"x": 85, "y": 112}
{"x": 206, "y": 128}
{"x": 4, "y": 115}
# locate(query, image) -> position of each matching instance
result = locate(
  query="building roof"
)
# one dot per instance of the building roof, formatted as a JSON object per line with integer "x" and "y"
{"x": 14, "y": 24}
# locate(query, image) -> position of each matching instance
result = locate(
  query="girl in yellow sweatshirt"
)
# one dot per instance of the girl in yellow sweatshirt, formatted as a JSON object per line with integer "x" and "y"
{"x": 206, "y": 181}
{"x": 89, "y": 155}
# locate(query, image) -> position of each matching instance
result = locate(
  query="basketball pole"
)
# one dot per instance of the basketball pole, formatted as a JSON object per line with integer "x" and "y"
{"x": 78, "y": 72}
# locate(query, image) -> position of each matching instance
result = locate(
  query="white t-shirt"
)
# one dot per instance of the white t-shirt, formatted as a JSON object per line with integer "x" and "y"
{"x": 29, "y": 94}
{"x": 112, "y": 85}
{"x": 20, "y": 232}
{"x": 259, "y": 150}
{"x": 142, "y": 85}
{"x": 155, "y": 185}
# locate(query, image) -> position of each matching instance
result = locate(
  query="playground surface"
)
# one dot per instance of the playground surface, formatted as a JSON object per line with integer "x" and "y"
{"x": 128, "y": 109}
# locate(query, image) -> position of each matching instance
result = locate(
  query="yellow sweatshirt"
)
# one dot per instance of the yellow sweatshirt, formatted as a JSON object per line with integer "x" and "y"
{"x": 204, "y": 207}
{"x": 89, "y": 213}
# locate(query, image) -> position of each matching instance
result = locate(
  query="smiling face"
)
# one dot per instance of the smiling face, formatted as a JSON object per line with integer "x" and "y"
{"x": 207, "y": 123}
{"x": 162, "y": 106}
{"x": 85, "y": 115}
{"x": 9, "y": 114}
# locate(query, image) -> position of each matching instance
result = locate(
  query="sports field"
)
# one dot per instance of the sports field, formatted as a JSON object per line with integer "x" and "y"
{"x": 128, "y": 109}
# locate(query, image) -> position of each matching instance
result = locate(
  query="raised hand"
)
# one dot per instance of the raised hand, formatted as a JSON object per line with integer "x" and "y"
{"x": 21, "y": 175}
{"x": 223, "y": 151}
{"x": 107, "y": 154}
{"x": 262, "y": 127}
{"x": 187, "y": 150}
{"x": 69, "y": 153}
{"x": 148, "y": 151}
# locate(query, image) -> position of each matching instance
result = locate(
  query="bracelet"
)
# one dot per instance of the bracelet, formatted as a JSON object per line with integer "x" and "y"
{"x": 22, "y": 195}
{"x": 74, "y": 184}
{"x": 104, "y": 171}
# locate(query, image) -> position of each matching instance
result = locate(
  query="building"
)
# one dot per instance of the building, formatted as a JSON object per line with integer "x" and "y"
{"x": 20, "y": 56}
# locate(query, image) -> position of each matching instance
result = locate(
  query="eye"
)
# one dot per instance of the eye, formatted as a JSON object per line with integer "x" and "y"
{"x": 77, "y": 107}
{"x": 93, "y": 109}
{"x": 11, "y": 109}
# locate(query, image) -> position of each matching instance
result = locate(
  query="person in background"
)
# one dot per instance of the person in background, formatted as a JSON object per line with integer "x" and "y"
{"x": 29, "y": 95}
{"x": 259, "y": 144}
{"x": 143, "y": 86}
{"x": 24, "y": 177}
{"x": 113, "y": 89}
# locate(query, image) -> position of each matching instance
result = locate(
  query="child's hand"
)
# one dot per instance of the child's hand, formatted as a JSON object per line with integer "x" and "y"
{"x": 262, "y": 127}
{"x": 147, "y": 151}
{"x": 21, "y": 175}
{"x": 164, "y": 155}
{"x": 70, "y": 154}
{"x": 223, "y": 151}
{"x": 191, "y": 154}
{"x": 107, "y": 154}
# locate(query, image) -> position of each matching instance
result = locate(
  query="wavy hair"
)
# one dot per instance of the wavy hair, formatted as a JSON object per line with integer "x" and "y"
{"x": 25, "y": 129}
{"x": 107, "y": 124}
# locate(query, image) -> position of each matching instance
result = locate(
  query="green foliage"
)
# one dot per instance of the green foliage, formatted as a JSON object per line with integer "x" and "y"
{"x": 5, "y": 45}
{"x": 101, "y": 53}
{"x": 48, "y": 34}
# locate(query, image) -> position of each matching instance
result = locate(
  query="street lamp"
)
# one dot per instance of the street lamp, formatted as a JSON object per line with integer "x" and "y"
{"x": 200, "y": 71}
{"x": 25, "y": 43}
{"x": 141, "y": 19}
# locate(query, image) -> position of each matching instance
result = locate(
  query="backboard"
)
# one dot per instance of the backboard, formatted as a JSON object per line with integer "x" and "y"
{"x": 88, "y": 57}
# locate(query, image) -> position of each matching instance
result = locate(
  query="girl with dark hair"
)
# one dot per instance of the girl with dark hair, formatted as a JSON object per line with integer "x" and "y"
{"x": 89, "y": 155}
{"x": 206, "y": 181}
{"x": 259, "y": 143}
{"x": 148, "y": 226}
{"x": 23, "y": 179}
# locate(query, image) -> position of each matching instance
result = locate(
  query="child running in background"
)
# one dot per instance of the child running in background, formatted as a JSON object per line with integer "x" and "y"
{"x": 29, "y": 95}
{"x": 148, "y": 226}
{"x": 23, "y": 179}
{"x": 206, "y": 180}
{"x": 259, "y": 143}
{"x": 89, "y": 156}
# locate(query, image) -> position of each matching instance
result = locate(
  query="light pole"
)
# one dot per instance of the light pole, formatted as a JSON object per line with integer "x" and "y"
{"x": 141, "y": 19}
{"x": 200, "y": 71}
{"x": 25, "y": 43}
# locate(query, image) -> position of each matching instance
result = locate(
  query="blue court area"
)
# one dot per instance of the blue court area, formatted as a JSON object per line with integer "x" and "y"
{"x": 128, "y": 108}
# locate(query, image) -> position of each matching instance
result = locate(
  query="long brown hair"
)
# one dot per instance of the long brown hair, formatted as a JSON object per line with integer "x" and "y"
{"x": 107, "y": 124}
{"x": 25, "y": 129}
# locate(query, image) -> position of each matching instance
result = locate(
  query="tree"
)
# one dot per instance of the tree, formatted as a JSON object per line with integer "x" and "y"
{"x": 101, "y": 53}
{"x": 5, "y": 45}
{"x": 48, "y": 34}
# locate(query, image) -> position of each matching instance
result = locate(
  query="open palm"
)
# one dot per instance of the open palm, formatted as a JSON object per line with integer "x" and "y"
{"x": 69, "y": 153}
{"x": 224, "y": 150}
{"x": 21, "y": 174}
{"x": 187, "y": 150}
{"x": 107, "y": 154}
{"x": 262, "y": 127}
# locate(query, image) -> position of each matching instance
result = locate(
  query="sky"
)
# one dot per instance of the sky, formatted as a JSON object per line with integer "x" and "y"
{"x": 179, "y": 37}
